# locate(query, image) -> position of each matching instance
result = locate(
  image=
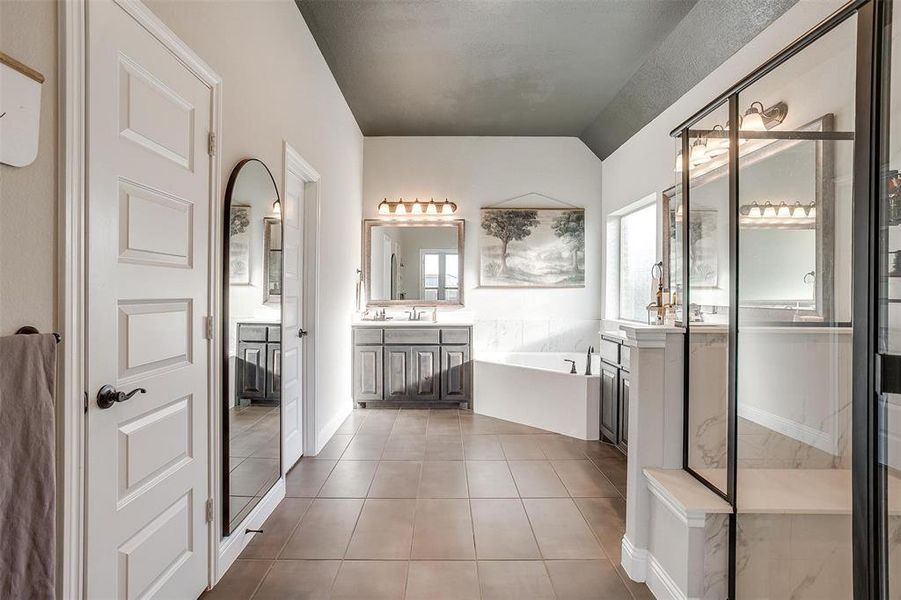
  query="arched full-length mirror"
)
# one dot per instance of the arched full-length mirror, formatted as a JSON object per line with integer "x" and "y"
{"x": 252, "y": 316}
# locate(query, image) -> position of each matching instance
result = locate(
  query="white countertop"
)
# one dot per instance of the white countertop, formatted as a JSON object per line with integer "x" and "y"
{"x": 405, "y": 323}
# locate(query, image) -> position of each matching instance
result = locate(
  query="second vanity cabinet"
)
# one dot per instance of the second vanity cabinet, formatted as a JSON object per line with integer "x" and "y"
{"x": 415, "y": 364}
{"x": 614, "y": 422}
{"x": 257, "y": 373}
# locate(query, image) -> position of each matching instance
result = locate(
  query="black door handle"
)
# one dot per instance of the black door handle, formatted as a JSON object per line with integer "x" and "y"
{"x": 107, "y": 396}
{"x": 301, "y": 333}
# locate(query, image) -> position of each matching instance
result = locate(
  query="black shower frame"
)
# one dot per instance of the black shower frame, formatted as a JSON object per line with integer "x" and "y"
{"x": 870, "y": 552}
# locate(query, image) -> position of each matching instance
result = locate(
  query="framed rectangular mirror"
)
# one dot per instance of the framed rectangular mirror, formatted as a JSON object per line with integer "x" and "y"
{"x": 416, "y": 263}
{"x": 788, "y": 231}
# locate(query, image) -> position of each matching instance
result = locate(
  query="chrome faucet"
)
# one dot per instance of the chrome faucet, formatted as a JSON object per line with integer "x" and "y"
{"x": 588, "y": 360}
{"x": 414, "y": 315}
{"x": 572, "y": 371}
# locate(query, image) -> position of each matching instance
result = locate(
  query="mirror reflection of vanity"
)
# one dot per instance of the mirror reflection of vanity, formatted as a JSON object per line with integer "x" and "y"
{"x": 786, "y": 240}
{"x": 413, "y": 263}
{"x": 252, "y": 316}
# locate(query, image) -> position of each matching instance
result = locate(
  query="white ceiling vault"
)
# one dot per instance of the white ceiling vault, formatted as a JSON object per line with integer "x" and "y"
{"x": 596, "y": 69}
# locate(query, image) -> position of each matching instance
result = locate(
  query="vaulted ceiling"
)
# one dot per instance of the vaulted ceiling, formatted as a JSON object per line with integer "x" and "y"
{"x": 597, "y": 69}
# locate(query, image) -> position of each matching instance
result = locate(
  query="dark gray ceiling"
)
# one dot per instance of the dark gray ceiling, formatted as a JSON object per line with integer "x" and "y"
{"x": 589, "y": 68}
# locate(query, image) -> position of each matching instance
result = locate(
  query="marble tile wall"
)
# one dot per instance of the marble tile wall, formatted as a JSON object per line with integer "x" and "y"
{"x": 802, "y": 557}
{"x": 716, "y": 557}
{"x": 535, "y": 335}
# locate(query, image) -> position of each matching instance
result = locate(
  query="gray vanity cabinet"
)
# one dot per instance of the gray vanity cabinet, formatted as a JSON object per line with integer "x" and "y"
{"x": 367, "y": 373}
{"x": 258, "y": 368}
{"x": 412, "y": 365}
{"x": 614, "y": 421}
{"x": 609, "y": 389}
{"x": 455, "y": 373}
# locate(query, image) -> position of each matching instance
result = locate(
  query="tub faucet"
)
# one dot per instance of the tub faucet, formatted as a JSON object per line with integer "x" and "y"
{"x": 588, "y": 360}
{"x": 572, "y": 371}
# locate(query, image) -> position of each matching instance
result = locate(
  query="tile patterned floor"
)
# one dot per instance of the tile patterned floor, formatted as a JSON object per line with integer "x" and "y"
{"x": 443, "y": 504}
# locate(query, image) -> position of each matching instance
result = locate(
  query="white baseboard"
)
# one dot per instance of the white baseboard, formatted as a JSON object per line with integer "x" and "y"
{"x": 797, "y": 431}
{"x": 661, "y": 584}
{"x": 328, "y": 430}
{"x": 634, "y": 561}
{"x": 231, "y": 547}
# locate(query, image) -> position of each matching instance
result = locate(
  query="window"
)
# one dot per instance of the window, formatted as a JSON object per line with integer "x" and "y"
{"x": 631, "y": 253}
{"x": 438, "y": 280}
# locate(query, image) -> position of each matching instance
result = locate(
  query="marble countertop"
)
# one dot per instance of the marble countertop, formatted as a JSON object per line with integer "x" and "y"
{"x": 405, "y": 323}
{"x": 797, "y": 491}
{"x": 687, "y": 493}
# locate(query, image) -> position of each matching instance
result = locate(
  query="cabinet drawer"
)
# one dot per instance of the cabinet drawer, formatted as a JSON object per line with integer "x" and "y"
{"x": 251, "y": 333}
{"x": 275, "y": 333}
{"x": 609, "y": 351}
{"x": 367, "y": 335}
{"x": 457, "y": 335}
{"x": 625, "y": 357}
{"x": 412, "y": 336}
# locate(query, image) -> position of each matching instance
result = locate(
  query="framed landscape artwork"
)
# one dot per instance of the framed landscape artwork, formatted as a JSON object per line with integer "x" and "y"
{"x": 532, "y": 247}
{"x": 239, "y": 245}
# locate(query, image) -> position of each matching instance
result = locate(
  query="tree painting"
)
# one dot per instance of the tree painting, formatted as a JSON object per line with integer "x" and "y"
{"x": 541, "y": 247}
{"x": 509, "y": 225}
{"x": 570, "y": 228}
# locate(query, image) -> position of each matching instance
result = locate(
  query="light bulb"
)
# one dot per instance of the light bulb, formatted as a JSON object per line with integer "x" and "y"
{"x": 753, "y": 119}
{"x": 769, "y": 210}
{"x": 447, "y": 208}
{"x": 416, "y": 208}
{"x": 384, "y": 207}
{"x": 755, "y": 211}
{"x": 784, "y": 210}
{"x": 698, "y": 154}
{"x": 430, "y": 208}
{"x": 812, "y": 211}
{"x": 798, "y": 212}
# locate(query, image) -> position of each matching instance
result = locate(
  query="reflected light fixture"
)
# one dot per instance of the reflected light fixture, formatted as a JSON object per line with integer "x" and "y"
{"x": 277, "y": 208}
{"x": 755, "y": 211}
{"x": 717, "y": 146}
{"x": 769, "y": 210}
{"x": 678, "y": 167}
{"x": 783, "y": 210}
{"x": 698, "y": 154}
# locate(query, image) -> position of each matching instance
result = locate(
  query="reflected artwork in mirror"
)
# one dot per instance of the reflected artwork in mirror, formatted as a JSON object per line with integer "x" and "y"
{"x": 416, "y": 263}
{"x": 252, "y": 322}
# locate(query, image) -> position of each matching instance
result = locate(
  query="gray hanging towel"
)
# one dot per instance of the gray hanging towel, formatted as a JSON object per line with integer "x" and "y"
{"x": 27, "y": 467}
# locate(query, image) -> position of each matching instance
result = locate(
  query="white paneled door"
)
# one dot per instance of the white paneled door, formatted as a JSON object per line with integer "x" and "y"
{"x": 293, "y": 332}
{"x": 148, "y": 295}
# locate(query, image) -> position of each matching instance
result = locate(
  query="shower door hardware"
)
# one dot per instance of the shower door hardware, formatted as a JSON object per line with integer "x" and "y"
{"x": 108, "y": 395}
{"x": 888, "y": 374}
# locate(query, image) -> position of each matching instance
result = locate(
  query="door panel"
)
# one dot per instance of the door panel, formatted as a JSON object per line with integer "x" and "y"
{"x": 251, "y": 368}
{"x": 273, "y": 371}
{"x": 148, "y": 207}
{"x": 455, "y": 373}
{"x": 623, "y": 440}
{"x": 293, "y": 208}
{"x": 397, "y": 372}
{"x": 609, "y": 402}
{"x": 425, "y": 381}
{"x": 368, "y": 371}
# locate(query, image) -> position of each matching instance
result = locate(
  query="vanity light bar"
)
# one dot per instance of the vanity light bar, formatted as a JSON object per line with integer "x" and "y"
{"x": 401, "y": 208}
{"x": 782, "y": 213}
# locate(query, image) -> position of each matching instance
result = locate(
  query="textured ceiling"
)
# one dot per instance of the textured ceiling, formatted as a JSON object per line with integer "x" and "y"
{"x": 589, "y": 68}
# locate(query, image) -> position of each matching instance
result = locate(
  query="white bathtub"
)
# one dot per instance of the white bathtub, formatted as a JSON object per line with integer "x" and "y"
{"x": 536, "y": 389}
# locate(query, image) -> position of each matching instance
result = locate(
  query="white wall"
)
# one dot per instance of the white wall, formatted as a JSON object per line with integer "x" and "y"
{"x": 28, "y": 211}
{"x": 276, "y": 87}
{"x": 644, "y": 164}
{"x": 478, "y": 172}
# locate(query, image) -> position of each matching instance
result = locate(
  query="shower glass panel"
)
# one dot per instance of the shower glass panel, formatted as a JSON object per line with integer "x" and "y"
{"x": 889, "y": 318}
{"x": 707, "y": 300}
{"x": 794, "y": 335}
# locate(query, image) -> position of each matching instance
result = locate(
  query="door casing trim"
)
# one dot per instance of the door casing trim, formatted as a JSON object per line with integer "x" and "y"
{"x": 71, "y": 428}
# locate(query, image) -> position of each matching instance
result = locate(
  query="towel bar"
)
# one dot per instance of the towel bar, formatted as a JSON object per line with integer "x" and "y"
{"x": 28, "y": 329}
